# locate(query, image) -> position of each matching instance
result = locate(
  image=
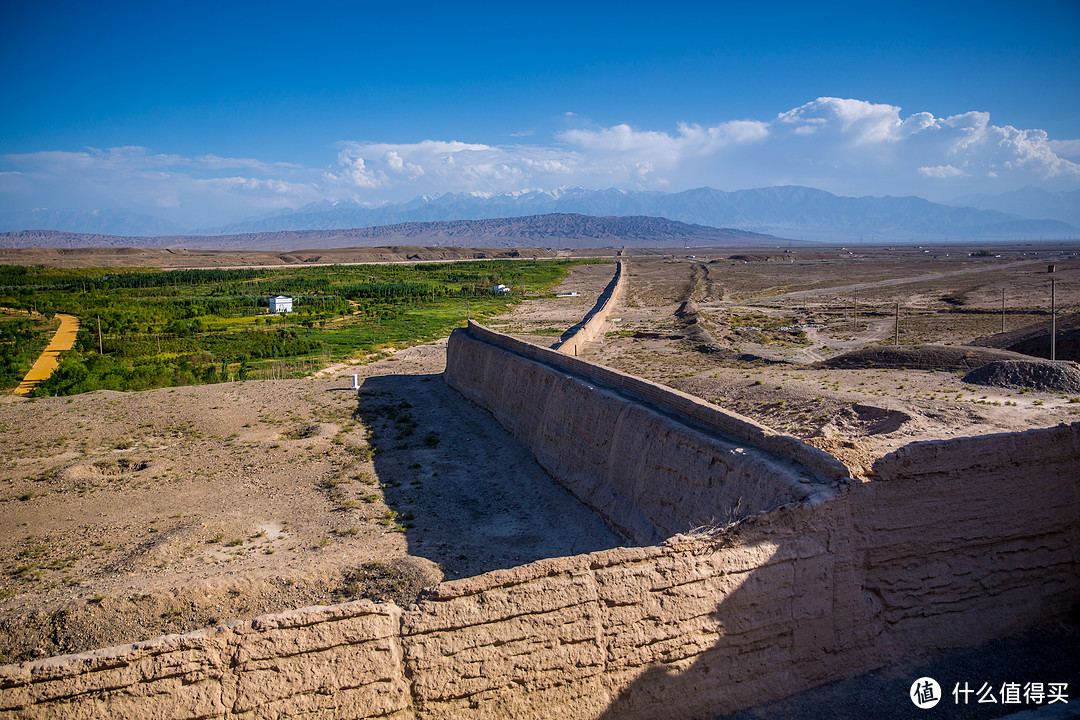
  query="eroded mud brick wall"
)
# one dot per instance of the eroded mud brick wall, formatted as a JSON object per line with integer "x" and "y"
{"x": 988, "y": 525}
{"x": 955, "y": 543}
{"x": 303, "y": 663}
{"x": 652, "y": 461}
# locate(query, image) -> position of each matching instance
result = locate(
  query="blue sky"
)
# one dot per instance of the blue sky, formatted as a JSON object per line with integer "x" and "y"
{"x": 204, "y": 112}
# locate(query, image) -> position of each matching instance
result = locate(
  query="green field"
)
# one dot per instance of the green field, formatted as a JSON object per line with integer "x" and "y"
{"x": 22, "y": 338}
{"x": 183, "y": 327}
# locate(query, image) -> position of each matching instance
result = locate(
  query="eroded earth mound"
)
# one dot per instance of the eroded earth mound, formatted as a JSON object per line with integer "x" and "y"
{"x": 948, "y": 358}
{"x": 1043, "y": 375}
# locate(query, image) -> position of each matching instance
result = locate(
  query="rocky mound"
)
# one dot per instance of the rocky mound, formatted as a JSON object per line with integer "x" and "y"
{"x": 929, "y": 357}
{"x": 1057, "y": 376}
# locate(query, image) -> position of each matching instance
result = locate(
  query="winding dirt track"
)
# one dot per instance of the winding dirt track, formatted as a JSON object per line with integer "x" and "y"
{"x": 64, "y": 339}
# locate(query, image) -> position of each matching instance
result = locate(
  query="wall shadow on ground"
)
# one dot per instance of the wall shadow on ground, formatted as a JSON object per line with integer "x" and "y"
{"x": 468, "y": 495}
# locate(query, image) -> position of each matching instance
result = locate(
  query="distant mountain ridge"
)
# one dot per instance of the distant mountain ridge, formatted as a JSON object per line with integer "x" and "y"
{"x": 785, "y": 211}
{"x": 558, "y": 230}
{"x": 112, "y": 222}
{"x": 788, "y": 211}
{"x": 1030, "y": 202}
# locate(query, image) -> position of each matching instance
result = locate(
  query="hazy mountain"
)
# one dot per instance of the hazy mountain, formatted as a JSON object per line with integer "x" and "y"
{"x": 113, "y": 222}
{"x": 788, "y": 211}
{"x": 551, "y": 230}
{"x": 1030, "y": 202}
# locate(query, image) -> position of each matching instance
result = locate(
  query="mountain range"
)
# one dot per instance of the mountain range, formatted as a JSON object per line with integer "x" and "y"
{"x": 785, "y": 211}
{"x": 1030, "y": 202}
{"x": 554, "y": 230}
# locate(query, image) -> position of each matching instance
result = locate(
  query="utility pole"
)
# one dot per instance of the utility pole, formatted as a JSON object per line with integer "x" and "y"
{"x": 896, "y": 331}
{"x": 1053, "y": 319}
{"x": 855, "y": 314}
{"x": 100, "y": 351}
{"x": 1002, "y": 309}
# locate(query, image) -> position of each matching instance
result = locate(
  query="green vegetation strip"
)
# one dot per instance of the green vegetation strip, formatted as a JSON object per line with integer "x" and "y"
{"x": 22, "y": 339}
{"x": 184, "y": 327}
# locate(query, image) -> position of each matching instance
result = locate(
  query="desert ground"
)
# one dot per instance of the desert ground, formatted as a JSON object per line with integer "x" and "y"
{"x": 756, "y": 335}
{"x": 130, "y": 515}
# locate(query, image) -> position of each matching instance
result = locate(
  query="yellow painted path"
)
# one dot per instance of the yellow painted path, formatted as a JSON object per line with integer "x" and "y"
{"x": 64, "y": 339}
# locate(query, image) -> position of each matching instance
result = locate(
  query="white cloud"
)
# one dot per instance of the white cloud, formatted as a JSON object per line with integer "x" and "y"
{"x": 853, "y": 121}
{"x": 1069, "y": 149}
{"x": 188, "y": 190}
{"x": 846, "y": 146}
{"x": 405, "y": 170}
{"x": 941, "y": 171}
{"x": 216, "y": 162}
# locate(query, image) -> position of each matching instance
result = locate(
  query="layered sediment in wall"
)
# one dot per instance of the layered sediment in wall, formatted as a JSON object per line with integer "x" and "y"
{"x": 305, "y": 663}
{"x": 954, "y": 542}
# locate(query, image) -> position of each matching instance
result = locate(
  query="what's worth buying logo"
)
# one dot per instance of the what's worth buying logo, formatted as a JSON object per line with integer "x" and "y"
{"x": 925, "y": 693}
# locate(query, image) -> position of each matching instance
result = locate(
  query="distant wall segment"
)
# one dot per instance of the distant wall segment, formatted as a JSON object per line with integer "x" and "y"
{"x": 597, "y": 322}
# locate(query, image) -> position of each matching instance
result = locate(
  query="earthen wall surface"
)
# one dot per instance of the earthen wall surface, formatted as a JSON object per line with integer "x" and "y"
{"x": 598, "y": 320}
{"x": 475, "y": 364}
{"x": 955, "y": 542}
{"x": 646, "y": 468}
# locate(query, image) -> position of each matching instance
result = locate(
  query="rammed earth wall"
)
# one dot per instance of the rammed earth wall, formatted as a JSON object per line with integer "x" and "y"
{"x": 598, "y": 320}
{"x": 651, "y": 460}
{"x": 954, "y": 542}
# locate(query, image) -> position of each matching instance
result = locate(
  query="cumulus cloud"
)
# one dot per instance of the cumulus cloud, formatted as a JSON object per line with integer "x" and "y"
{"x": 188, "y": 190}
{"x": 843, "y": 145}
{"x": 852, "y": 122}
{"x": 431, "y": 166}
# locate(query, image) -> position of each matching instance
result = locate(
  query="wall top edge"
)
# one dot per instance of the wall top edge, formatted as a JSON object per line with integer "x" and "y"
{"x": 63, "y": 665}
{"x": 1060, "y": 442}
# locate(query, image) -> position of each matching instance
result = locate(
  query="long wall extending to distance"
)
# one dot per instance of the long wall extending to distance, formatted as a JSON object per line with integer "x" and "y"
{"x": 955, "y": 542}
{"x": 596, "y": 322}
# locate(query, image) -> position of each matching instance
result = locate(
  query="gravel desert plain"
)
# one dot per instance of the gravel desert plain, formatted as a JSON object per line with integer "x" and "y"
{"x": 125, "y": 516}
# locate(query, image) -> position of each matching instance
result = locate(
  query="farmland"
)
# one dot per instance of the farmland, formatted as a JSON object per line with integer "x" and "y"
{"x": 146, "y": 328}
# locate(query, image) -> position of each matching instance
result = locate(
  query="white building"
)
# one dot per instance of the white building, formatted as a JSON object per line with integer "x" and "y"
{"x": 281, "y": 304}
{"x": 501, "y": 289}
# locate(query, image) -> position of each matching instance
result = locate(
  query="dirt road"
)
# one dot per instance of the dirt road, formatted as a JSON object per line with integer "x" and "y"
{"x": 64, "y": 339}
